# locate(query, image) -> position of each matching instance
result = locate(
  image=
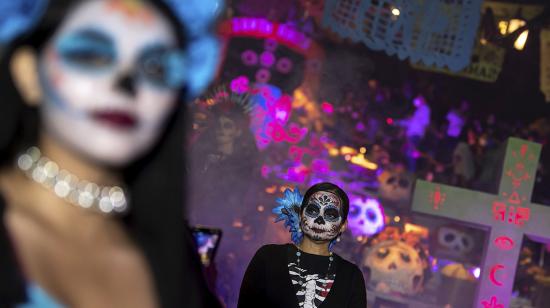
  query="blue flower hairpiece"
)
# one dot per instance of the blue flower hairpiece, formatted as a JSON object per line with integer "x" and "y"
{"x": 18, "y": 16}
{"x": 288, "y": 209}
{"x": 198, "y": 17}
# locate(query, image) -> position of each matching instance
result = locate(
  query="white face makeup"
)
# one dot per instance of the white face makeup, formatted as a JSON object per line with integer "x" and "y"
{"x": 322, "y": 218}
{"x": 111, "y": 74}
{"x": 227, "y": 131}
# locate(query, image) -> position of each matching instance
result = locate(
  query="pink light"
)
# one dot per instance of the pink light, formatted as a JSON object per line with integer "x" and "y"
{"x": 504, "y": 242}
{"x": 261, "y": 27}
{"x": 327, "y": 107}
{"x": 281, "y": 115}
{"x": 320, "y": 166}
{"x": 389, "y": 121}
{"x": 494, "y": 303}
{"x": 493, "y": 272}
{"x": 239, "y": 85}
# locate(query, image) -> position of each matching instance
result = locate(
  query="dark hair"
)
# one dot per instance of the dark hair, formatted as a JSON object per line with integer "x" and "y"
{"x": 329, "y": 187}
{"x": 155, "y": 182}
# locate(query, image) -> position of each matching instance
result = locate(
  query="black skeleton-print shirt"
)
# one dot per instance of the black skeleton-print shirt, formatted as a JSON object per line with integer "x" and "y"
{"x": 311, "y": 278}
{"x": 272, "y": 279}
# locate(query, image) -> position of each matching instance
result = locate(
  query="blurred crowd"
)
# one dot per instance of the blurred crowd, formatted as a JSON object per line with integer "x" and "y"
{"x": 457, "y": 146}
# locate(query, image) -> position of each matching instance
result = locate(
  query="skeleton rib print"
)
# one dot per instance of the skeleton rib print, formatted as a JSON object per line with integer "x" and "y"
{"x": 311, "y": 290}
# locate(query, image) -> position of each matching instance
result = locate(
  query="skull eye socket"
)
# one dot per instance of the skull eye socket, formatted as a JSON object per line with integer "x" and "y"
{"x": 382, "y": 253}
{"x": 354, "y": 211}
{"x": 371, "y": 215}
{"x": 403, "y": 183}
{"x": 405, "y": 257}
{"x": 332, "y": 214}
{"x": 465, "y": 242}
{"x": 391, "y": 180}
{"x": 449, "y": 237}
{"x": 312, "y": 210}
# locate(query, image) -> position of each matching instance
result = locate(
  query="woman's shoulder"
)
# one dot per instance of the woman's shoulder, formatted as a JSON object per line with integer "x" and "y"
{"x": 273, "y": 248}
{"x": 348, "y": 266}
{"x": 268, "y": 254}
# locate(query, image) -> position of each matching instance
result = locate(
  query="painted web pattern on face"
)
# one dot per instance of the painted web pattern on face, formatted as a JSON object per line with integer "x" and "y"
{"x": 325, "y": 199}
{"x": 311, "y": 289}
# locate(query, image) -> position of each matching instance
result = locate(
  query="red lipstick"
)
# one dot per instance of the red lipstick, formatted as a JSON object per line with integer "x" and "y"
{"x": 117, "y": 119}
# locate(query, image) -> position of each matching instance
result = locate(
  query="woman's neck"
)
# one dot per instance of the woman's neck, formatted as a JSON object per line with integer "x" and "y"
{"x": 314, "y": 248}
{"x": 75, "y": 164}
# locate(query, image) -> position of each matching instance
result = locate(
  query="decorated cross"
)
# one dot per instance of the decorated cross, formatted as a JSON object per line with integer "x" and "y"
{"x": 508, "y": 216}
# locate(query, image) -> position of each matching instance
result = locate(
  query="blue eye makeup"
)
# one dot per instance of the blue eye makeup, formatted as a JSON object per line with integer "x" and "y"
{"x": 94, "y": 51}
{"x": 162, "y": 67}
{"x": 89, "y": 49}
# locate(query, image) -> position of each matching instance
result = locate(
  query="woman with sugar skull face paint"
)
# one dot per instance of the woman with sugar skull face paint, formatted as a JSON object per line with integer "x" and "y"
{"x": 306, "y": 274}
{"x": 91, "y": 156}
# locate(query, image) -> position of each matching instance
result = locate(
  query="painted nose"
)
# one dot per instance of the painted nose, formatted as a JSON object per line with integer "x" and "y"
{"x": 127, "y": 84}
{"x": 392, "y": 266}
{"x": 319, "y": 220}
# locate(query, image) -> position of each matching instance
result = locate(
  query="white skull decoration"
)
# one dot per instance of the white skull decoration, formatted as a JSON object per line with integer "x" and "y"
{"x": 395, "y": 187}
{"x": 366, "y": 216}
{"x": 394, "y": 266}
{"x": 454, "y": 243}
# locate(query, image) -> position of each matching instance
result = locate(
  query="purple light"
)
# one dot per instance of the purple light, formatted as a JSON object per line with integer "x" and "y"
{"x": 262, "y": 27}
{"x": 281, "y": 115}
{"x": 267, "y": 59}
{"x": 240, "y": 85}
{"x": 284, "y": 65}
{"x": 249, "y": 58}
{"x": 263, "y": 75}
{"x": 252, "y": 24}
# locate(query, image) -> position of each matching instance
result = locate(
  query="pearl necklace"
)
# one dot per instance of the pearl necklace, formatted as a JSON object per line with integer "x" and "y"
{"x": 84, "y": 194}
{"x": 299, "y": 253}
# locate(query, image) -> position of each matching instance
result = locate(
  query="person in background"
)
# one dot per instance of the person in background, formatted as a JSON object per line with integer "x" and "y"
{"x": 416, "y": 126}
{"x": 91, "y": 156}
{"x": 306, "y": 274}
